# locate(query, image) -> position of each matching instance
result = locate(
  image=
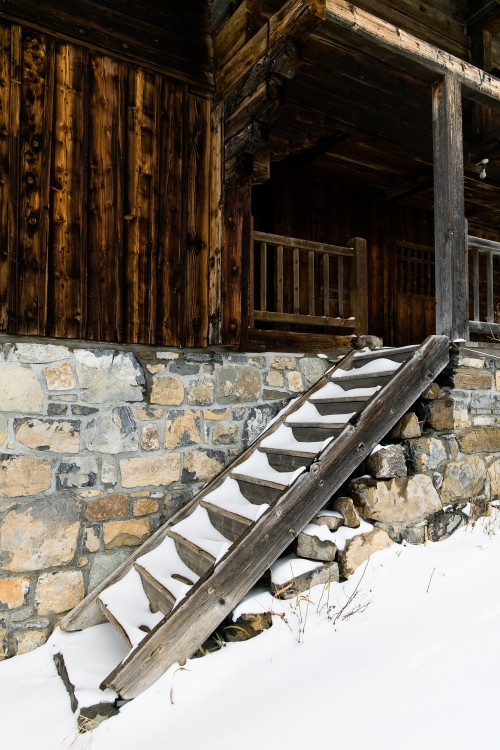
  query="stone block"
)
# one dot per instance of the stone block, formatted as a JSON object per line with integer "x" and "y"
{"x": 43, "y": 535}
{"x": 80, "y": 471}
{"x": 275, "y": 379}
{"x": 238, "y": 384}
{"x": 294, "y": 382}
{"x": 463, "y": 480}
{"x": 426, "y": 453}
{"x": 20, "y": 390}
{"x": 358, "y": 549}
{"x": 167, "y": 390}
{"x": 472, "y": 378}
{"x": 444, "y": 524}
{"x": 4, "y": 428}
{"x": 367, "y": 340}
{"x": 225, "y": 434}
{"x": 314, "y": 548}
{"x": 201, "y": 392}
{"x": 147, "y": 413}
{"x": 345, "y": 506}
{"x": 298, "y": 580}
{"x": 58, "y": 591}
{"x": 22, "y": 476}
{"x": 448, "y": 414}
{"x": 107, "y": 377}
{"x": 110, "y": 506}
{"x": 41, "y": 353}
{"x": 407, "y": 427}
{"x": 216, "y": 415}
{"x": 312, "y": 369}
{"x": 182, "y": 428}
{"x": 58, "y": 436}
{"x": 149, "y": 438}
{"x": 105, "y": 563}
{"x": 283, "y": 363}
{"x": 256, "y": 421}
{"x": 57, "y": 410}
{"x": 127, "y": 533}
{"x": 399, "y": 500}
{"x": 113, "y": 431}
{"x": 144, "y": 506}
{"x": 387, "y": 461}
{"x": 109, "y": 471}
{"x": 60, "y": 378}
{"x": 28, "y": 640}
{"x": 413, "y": 533}
{"x": 146, "y": 471}
{"x": 494, "y": 477}
{"x": 432, "y": 393}
{"x": 13, "y": 592}
{"x": 333, "y": 520}
{"x": 202, "y": 465}
{"x": 480, "y": 440}
{"x": 91, "y": 538}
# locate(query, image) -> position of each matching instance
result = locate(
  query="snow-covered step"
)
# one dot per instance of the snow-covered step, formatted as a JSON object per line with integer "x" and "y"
{"x": 83, "y": 659}
{"x": 286, "y": 453}
{"x": 374, "y": 372}
{"x": 126, "y": 606}
{"x": 333, "y": 398}
{"x": 198, "y": 542}
{"x": 308, "y": 425}
{"x": 399, "y": 354}
{"x": 166, "y": 578}
{"x": 259, "y": 481}
{"x": 230, "y": 511}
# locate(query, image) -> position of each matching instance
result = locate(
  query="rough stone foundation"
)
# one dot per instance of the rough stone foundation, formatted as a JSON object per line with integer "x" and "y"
{"x": 98, "y": 446}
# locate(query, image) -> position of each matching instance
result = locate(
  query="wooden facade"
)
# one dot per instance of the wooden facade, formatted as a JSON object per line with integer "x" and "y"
{"x": 140, "y": 149}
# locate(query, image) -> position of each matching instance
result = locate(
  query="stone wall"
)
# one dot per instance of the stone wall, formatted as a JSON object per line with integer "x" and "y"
{"x": 440, "y": 467}
{"x": 98, "y": 446}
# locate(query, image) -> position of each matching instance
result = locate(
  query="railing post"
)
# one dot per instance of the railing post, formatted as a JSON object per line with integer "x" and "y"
{"x": 358, "y": 292}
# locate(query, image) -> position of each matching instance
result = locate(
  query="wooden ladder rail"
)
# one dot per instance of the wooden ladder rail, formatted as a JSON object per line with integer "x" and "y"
{"x": 216, "y": 594}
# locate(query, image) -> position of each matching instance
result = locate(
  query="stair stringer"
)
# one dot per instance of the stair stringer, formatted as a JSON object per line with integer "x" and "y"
{"x": 215, "y": 595}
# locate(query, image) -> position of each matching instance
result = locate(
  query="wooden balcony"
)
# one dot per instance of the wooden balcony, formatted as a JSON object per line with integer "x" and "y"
{"x": 306, "y": 294}
{"x": 484, "y": 286}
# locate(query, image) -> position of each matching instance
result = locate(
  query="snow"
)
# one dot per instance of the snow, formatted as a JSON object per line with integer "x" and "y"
{"x": 290, "y": 567}
{"x": 284, "y": 439}
{"x": 309, "y": 413}
{"x": 417, "y": 668}
{"x": 198, "y": 530}
{"x": 258, "y": 467}
{"x": 163, "y": 562}
{"x": 379, "y": 365}
{"x": 320, "y": 531}
{"x": 335, "y": 390}
{"x": 228, "y": 496}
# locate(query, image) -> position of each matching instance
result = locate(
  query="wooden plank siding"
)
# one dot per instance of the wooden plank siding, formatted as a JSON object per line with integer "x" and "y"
{"x": 110, "y": 198}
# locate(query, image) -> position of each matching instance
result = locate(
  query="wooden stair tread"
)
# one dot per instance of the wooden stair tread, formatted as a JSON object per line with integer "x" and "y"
{"x": 257, "y": 470}
{"x": 229, "y": 498}
{"x": 402, "y": 352}
{"x": 164, "y": 565}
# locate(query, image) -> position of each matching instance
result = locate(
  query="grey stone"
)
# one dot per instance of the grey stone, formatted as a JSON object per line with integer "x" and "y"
{"x": 106, "y": 376}
{"x": 257, "y": 420}
{"x": 402, "y": 500}
{"x": 112, "y": 432}
{"x": 313, "y": 548}
{"x": 444, "y": 524}
{"x": 463, "y": 480}
{"x": 387, "y": 462}
{"x": 286, "y": 589}
{"x": 415, "y": 533}
{"x": 426, "y": 453}
{"x": 312, "y": 369}
{"x": 109, "y": 471}
{"x": 56, "y": 410}
{"x": 331, "y": 519}
{"x": 80, "y": 471}
{"x": 238, "y": 384}
{"x": 83, "y": 411}
{"x": 41, "y": 353}
{"x": 184, "y": 368}
{"x": 103, "y": 564}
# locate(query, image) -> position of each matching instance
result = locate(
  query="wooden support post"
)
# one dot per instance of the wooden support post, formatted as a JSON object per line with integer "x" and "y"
{"x": 358, "y": 287}
{"x": 449, "y": 218}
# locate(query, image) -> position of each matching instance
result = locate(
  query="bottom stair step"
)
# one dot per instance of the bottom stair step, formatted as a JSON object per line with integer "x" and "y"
{"x": 83, "y": 660}
{"x": 292, "y": 575}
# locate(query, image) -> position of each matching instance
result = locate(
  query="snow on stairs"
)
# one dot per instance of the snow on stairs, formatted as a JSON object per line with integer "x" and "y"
{"x": 172, "y": 593}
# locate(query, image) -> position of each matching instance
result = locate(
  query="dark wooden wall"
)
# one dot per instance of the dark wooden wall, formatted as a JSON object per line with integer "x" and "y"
{"x": 298, "y": 206}
{"x": 110, "y": 197}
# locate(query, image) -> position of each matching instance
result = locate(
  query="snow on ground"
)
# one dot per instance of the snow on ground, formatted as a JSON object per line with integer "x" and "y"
{"x": 415, "y": 665}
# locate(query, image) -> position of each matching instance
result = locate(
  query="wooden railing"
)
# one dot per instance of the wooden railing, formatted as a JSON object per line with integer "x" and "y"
{"x": 301, "y": 283}
{"x": 484, "y": 275}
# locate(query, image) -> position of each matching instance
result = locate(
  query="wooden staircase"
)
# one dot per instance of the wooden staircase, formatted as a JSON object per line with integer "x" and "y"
{"x": 175, "y": 590}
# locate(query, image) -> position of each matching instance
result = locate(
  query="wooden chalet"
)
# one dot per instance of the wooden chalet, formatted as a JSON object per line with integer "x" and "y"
{"x": 254, "y": 175}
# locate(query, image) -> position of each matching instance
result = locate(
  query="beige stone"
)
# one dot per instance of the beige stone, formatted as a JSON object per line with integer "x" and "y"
{"x": 106, "y": 376}
{"x": 149, "y": 438}
{"x": 58, "y": 591}
{"x": 463, "y": 480}
{"x": 60, "y": 378}
{"x": 128, "y": 533}
{"x": 111, "y": 506}
{"x": 407, "y": 427}
{"x": 42, "y": 536}
{"x": 147, "y": 413}
{"x": 345, "y": 506}
{"x": 13, "y": 591}
{"x": 432, "y": 393}
{"x": 216, "y": 416}
{"x": 202, "y": 464}
{"x": 225, "y": 434}
{"x": 477, "y": 362}
{"x": 167, "y": 390}
{"x": 52, "y": 435}
{"x": 155, "y": 369}
{"x": 358, "y": 549}
{"x": 28, "y": 640}
{"x": 283, "y": 363}
{"x": 20, "y": 390}
{"x": 146, "y": 471}
{"x": 144, "y": 506}
{"x": 201, "y": 392}
{"x": 400, "y": 500}
{"x": 238, "y": 384}
{"x": 472, "y": 379}
{"x": 91, "y": 541}
{"x": 480, "y": 440}
{"x": 497, "y": 380}
{"x": 294, "y": 382}
{"x": 182, "y": 428}
{"x": 275, "y": 379}
{"x": 4, "y": 428}
{"x": 3, "y": 650}
{"x": 448, "y": 414}
{"x": 22, "y": 476}
{"x": 494, "y": 476}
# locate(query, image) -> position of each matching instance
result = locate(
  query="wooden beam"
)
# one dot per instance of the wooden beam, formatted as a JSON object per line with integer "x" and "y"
{"x": 477, "y": 83}
{"x": 296, "y": 18}
{"x": 449, "y": 218}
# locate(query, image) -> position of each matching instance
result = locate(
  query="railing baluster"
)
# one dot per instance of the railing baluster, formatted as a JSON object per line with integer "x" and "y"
{"x": 490, "y": 303}
{"x": 340, "y": 262}
{"x": 475, "y": 283}
{"x": 279, "y": 280}
{"x": 326, "y": 285}
{"x": 263, "y": 276}
{"x": 296, "y": 281}
{"x": 311, "y": 281}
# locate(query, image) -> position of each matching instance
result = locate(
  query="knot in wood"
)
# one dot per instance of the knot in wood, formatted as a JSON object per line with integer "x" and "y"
{"x": 315, "y": 468}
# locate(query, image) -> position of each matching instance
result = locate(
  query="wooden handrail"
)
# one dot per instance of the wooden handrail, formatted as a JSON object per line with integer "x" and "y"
{"x": 489, "y": 249}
